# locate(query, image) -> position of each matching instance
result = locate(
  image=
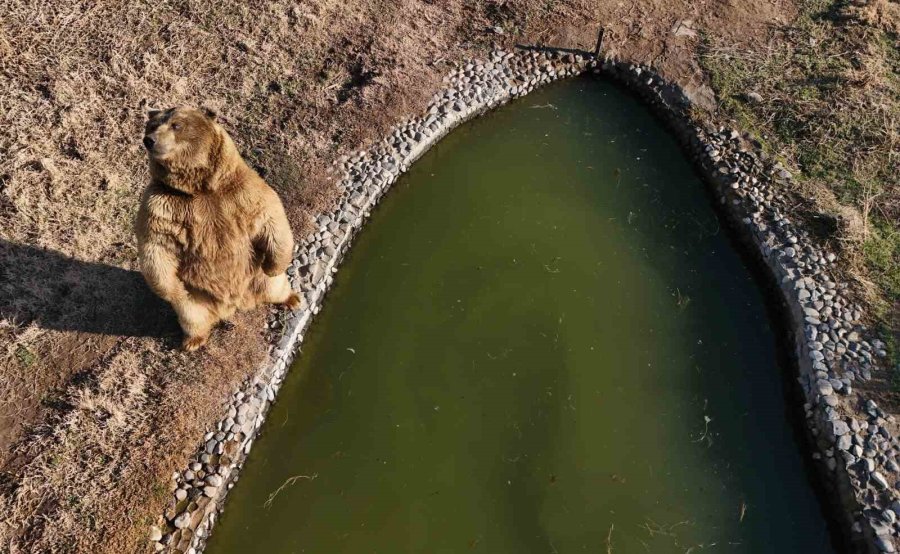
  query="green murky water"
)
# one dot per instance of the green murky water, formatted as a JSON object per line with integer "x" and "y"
{"x": 541, "y": 342}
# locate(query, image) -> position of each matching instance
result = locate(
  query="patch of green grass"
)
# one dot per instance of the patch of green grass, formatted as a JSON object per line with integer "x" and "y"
{"x": 159, "y": 491}
{"x": 25, "y": 357}
{"x": 882, "y": 252}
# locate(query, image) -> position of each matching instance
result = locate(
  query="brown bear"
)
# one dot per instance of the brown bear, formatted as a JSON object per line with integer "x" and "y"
{"x": 212, "y": 235}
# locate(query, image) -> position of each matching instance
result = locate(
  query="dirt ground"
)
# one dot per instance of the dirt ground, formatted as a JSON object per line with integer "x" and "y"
{"x": 97, "y": 405}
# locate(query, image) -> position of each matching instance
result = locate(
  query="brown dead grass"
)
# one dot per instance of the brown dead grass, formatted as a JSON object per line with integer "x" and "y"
{"x": 98, "y": 408}
{"x": 94, "y": 469}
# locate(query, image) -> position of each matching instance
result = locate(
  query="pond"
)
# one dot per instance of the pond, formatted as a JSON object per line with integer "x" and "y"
{"x": 543, "y": 341}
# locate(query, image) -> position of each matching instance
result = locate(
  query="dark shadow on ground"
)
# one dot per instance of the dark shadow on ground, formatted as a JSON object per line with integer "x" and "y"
{"x": 556, "y": 49}
{"x": 57, "y": 292}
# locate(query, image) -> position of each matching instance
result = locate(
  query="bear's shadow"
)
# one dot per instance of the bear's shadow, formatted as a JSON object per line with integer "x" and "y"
{"x": 54, "y": 291}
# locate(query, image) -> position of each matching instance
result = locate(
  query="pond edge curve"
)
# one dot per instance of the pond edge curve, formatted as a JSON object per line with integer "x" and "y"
{"x": 848, "y": 434}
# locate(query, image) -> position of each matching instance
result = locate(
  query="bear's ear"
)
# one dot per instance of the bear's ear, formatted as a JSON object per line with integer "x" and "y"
{"x": 210, "y": 113}
{"x": 152, "y": 114}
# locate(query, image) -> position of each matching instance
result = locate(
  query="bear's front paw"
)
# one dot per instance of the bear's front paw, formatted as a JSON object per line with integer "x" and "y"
{"x": 193, "y": 343}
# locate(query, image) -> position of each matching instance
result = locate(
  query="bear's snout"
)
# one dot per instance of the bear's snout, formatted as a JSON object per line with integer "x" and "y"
{"x": 148, "y": 143}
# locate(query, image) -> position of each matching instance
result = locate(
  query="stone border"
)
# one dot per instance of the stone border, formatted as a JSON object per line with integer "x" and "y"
{"x": 854, "y": 449}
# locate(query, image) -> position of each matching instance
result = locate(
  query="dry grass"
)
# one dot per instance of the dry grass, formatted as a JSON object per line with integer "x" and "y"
{"x": 97, "y": 408}
{"x": 91, "y": 476}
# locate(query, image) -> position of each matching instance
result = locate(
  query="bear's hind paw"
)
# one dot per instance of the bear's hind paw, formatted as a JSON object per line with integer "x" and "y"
{"x": 293, "y": 301}
{"x": 193, "y": 343}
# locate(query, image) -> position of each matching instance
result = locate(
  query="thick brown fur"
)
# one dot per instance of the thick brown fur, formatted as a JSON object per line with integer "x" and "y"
{"x": 212, "y": 235}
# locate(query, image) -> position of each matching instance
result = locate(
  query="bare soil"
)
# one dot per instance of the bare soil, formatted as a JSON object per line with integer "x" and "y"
{"x": 97, "y": 405}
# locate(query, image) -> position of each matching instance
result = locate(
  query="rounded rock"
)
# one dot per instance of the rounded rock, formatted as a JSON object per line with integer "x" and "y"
{"x": 879, "y": 480}
{"x": 155, "y": 534}
{"x": 824, "y": 387}
{"x": 182, "y": 521}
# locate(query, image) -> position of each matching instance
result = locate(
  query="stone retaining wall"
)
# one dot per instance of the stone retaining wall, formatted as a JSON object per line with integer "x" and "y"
{"x": 854, "y": 446}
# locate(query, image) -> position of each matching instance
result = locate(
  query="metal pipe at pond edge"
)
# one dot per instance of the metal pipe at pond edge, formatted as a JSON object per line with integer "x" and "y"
{"x": 855, "y": 449}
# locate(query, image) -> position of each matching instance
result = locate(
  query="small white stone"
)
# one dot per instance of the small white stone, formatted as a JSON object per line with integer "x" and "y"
{"x": 155, "y": 533}
{"x": 182, "y": 520}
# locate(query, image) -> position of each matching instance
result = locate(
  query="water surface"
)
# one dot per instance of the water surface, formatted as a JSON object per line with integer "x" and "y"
{"x": 542, "y": 342}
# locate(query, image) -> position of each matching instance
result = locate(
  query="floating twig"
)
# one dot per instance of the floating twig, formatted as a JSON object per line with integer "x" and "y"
{"x": 288, "y": 482}
{"x": 705, "y": 435}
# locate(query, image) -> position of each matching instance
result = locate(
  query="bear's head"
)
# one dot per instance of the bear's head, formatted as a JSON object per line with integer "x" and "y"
{"x": 188, "y": 150}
